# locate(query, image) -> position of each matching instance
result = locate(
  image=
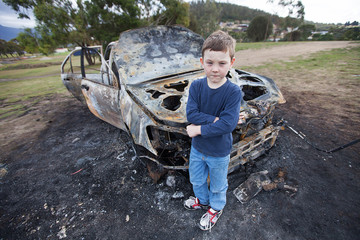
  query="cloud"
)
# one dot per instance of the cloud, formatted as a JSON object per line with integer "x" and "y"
{"x": 9, "y": 18}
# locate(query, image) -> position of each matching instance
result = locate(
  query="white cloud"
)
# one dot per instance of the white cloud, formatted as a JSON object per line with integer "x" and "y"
{"x": 9, "y": 18}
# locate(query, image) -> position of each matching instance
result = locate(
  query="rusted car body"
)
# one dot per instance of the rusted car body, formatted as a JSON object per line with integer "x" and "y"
{"x": 141, "y": 86}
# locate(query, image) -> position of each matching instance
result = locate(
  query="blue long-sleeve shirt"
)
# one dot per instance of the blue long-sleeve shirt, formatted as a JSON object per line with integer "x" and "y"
{"x": 204, "y": 104}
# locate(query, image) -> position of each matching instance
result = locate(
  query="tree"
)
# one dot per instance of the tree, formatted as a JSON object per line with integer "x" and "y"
{"x": 352, "y": 34}
{"x": 306, "y": 30}
{"x": 86, "y": 23}
{"x": 175, "y": 12}
{"x": 11, "y": 47}
{"x": 28, "y": 40}
{"x": 106, "y": 19}
{"x": 290, "y": 24}
{"x": 295, "y": 8}
{"x": 205, "y": 16}
{"x": 325, "y": 37}
{"x": 233, "y": 12}
{"x": 238, "y": 36}
{"x": 14, "y": 47}
{"x": 293, "y": 36}
{"x": 337, "y": 33}
{"x": 3, "y": 47}
{"x": 295, "y": 17}
{"x": 47, "y": 43}
{"x": 259, "y": 29}
{"x": 59, "y": 22}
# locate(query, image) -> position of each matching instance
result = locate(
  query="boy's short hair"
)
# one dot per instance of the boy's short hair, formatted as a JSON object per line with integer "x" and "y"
{"x": 219, "y": 41}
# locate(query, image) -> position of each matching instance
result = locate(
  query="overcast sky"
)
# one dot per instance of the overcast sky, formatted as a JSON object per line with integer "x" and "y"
{"x": 323, "y": 11}
{"x": 8, "y": 18}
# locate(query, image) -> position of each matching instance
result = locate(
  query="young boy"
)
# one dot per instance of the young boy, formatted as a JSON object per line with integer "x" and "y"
{"x": 213, "y": 110}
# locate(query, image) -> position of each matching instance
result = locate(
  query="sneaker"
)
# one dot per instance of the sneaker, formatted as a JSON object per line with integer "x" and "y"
{"x": 193, "y": 204}
{"x": 209, "y": 219}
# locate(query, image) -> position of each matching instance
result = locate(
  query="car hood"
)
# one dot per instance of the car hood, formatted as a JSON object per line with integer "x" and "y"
{"x": 165, "y": 99}
{"x": 156, "y": 52}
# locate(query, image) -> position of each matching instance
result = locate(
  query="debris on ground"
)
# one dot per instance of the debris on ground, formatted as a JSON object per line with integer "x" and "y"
{"x": 177, "y": 195}
{"x": 3, "y": 171}
{"x": 279, "y": 183}
{"x": 258, "y": 181}
{"x": 252, "y": 186}
{"x": 170, "y": 181}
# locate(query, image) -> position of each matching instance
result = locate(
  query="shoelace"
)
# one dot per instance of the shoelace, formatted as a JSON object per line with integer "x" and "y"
{"x": 208, "y": 218}
{"x": 196, "y": 203}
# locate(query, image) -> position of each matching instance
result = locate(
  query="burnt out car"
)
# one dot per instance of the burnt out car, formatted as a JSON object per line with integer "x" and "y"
{"x": 141, "y": 86}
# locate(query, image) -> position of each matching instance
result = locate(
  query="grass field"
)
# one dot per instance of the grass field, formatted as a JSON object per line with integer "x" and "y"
{"x": 340, "y": 66}
{"x": 18, "y": 96}
{"x": 342, "y": 60}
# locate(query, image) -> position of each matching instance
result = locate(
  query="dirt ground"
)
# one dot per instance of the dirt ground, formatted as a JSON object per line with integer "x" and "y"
{"x": 255, "y": 57}
{"x": 67, "y": 175}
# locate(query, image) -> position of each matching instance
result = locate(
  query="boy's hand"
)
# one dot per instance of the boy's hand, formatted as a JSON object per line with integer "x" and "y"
{"x": 216, "y": 119}
{"x": 242, "y": 118}
{"x": 193, "y": 130}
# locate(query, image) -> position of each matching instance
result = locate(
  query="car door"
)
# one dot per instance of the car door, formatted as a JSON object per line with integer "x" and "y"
{"x": 102, "y": 92}
{"x": 71, "y": 75}
{"x": 103, "y": 102}
{"x": 94, "y": 84}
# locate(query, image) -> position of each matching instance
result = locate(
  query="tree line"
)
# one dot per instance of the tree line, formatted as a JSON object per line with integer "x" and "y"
{"x": 11, "y": 48}
{"x": 86, "y": 23}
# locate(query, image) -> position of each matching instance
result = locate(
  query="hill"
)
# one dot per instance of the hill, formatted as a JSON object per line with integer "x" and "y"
{"x": 233, "y": 12}
{"x": 8, "y": 33}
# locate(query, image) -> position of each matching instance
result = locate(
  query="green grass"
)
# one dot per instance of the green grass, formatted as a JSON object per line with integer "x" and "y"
{"x": 55, "y": 58}
{"x": 30, "y": 72}
{"x": 346, "y": 60}
{"x": 14, "y": 91}
{"x": 259, "y": 45}
{"x": 338, "y": 59}
{"x": 31, "y": 83}
{"x": 16, "y": 97}
{"x": 31, "y": 67}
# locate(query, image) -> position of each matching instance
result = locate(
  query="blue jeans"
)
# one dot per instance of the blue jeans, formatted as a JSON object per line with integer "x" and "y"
{"x": 200, "y": 167}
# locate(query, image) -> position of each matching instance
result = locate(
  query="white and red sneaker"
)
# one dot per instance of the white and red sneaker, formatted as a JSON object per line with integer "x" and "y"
{"x": 209, "y": 219}
{"x": 193, "y": 204}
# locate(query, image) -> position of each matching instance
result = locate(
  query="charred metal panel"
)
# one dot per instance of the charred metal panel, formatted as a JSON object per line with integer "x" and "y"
{"x": 103, "y": 102}
{"x": 155, "y": 52}
{"x": 136, "y": 120}
{"x": 73, "y": 82}
{"x": 252, "y": 146}
{"x": 271, "y": 92}
{"x": 166, "y": 99}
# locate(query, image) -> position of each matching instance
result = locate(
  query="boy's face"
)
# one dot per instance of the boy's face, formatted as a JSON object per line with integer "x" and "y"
{"x": 216, "y": 65}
